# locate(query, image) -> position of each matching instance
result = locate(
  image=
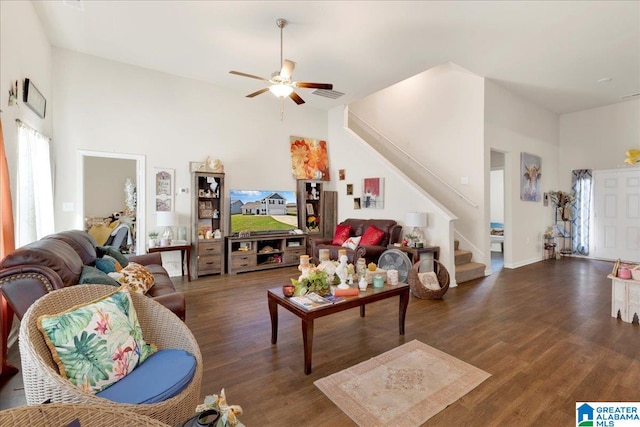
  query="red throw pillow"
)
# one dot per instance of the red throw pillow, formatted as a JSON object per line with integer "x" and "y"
{"x": 342, "y": 234}
{"x": 372, "y": 236}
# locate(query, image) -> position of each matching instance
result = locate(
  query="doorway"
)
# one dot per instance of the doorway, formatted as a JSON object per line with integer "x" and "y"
{"x": 101, "y": 187}
{"x": 496, "y": 211}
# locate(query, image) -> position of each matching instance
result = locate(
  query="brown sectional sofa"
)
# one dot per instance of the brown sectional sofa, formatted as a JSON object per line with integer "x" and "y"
{"x": 392, "y": 234}
{"x": 56, "y": 261}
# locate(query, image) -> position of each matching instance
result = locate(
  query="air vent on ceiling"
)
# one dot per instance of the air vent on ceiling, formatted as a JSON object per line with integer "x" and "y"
{"x": 333, "y": 94}
{"x": 631, "y": 95}
{"x": 75, "y": 4}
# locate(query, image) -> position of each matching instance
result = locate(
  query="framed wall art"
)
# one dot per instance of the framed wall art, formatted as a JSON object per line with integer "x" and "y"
{"x": 309, "y": 159}
{"x": 163, "y": 179}
{"x": 530, "y": 174}
{"x": 373, "y": 193}
{"x": 34, "y": 99}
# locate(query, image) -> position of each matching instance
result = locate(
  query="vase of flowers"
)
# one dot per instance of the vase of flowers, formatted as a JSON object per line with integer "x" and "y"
{"x": 563, "y": 202}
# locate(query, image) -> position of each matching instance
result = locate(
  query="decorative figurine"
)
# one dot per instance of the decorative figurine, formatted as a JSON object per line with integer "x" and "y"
{"x": 341, "y": 272}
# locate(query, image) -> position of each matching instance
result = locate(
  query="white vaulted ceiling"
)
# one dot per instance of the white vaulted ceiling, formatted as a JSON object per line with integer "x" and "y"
{"x": 550, "y": 52}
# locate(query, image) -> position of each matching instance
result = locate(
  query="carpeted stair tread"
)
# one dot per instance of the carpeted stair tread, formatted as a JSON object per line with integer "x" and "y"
{"x": 462, "y": 257}
{"x": 469, "y": 271}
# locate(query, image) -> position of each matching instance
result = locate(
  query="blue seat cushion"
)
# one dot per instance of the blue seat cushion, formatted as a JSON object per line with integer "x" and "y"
{"x": 161, "y": 376}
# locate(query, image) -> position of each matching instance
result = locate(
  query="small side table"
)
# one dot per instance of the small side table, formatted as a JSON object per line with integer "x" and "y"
{"x": 184, "y": 249}
{"x": 414, "y": 253}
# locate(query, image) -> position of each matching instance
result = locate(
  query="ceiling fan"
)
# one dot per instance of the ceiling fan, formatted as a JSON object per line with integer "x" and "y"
{"x": 281, "y": 83}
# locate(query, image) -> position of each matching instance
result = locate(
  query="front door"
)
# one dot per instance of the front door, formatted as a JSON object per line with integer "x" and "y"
{"x": 617, "y": 215}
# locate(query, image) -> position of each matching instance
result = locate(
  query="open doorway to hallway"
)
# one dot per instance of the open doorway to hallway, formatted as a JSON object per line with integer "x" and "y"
{"x": 496, "y": 213}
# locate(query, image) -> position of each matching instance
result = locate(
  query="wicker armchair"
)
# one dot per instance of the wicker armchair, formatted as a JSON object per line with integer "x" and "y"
{"x": 159, "y": 326}
{"x": 61, "y": 414}
{"x": 420, "y": 291}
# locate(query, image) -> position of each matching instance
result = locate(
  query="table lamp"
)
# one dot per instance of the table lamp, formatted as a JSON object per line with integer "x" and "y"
{"x": 167, "y": 219}
{"x": 417, "y": 220}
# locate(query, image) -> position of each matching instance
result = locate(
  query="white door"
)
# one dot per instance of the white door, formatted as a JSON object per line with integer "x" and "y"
{"x": 616, "y": 199}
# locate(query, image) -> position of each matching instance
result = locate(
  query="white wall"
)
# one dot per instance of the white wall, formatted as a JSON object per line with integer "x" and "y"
{"x": 597, "y": 138}
{"x": 107, "y": 106}
{"x": 25, "y": 52}
{"x": 360, "y": 161}
{"x": 104, "y": 180}
{"x": 512, "y": 126}
{"x": 497, "y": 196}
{"x": 437, "y": 117}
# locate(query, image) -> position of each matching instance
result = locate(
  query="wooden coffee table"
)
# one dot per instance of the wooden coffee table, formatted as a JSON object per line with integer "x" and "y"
{"x": 275, "y": 299}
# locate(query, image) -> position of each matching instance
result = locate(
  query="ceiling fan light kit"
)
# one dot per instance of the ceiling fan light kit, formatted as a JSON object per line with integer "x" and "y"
{"x": 281, "y": 84}
{"x": 281, "y": 90}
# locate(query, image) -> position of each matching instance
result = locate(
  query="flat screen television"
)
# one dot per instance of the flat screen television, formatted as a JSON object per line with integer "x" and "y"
{"x": 262, "y": 211}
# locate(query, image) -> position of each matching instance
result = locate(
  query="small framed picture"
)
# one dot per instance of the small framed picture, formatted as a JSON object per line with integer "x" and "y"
{"x": 349, "y": 189}
{"x": 310, "y": 209}
{"x": 34, "y": 99}
{"x": 356, "y": 203}
{"x": 341, "y": 174}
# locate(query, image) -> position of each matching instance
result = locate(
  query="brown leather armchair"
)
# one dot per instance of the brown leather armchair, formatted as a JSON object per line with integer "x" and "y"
{"x": 56, "y": 261}
{"x": 392, "y": 234}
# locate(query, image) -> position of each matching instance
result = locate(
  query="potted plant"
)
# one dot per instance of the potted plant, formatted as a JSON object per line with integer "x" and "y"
{"x": 315, "y": 281}
{"x": 153, "y": 239}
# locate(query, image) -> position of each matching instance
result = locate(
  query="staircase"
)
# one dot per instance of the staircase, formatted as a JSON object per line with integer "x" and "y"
{"x": 466, "y": 269}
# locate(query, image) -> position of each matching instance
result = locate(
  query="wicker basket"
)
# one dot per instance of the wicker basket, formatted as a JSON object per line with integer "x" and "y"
{"x": 420, "y": 291}
{"x": 61, "y": 414}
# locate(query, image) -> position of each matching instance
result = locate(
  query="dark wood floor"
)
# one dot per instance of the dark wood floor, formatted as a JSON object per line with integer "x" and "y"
{"x": 544, "y": 332}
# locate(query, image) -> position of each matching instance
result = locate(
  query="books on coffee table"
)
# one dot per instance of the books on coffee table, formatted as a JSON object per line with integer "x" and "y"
{"x": 313, "y": 301}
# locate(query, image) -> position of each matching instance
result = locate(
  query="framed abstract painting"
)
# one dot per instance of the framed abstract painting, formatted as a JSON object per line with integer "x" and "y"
{"x": 309, "y": 159}
{"x": 373, "y": 193}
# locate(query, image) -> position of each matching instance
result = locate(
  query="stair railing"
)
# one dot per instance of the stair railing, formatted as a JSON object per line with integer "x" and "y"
{"x": 405, "y": 153}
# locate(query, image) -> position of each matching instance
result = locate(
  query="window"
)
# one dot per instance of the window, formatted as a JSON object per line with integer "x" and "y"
{"x": 581, "y": 187}
{"x": 35, "y": 189}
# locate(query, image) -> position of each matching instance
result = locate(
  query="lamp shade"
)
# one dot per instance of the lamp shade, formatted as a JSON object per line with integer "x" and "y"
{"x": 281, "y": 90}
{"x": 167, "y": 219}
{"x": 416, "y": 219}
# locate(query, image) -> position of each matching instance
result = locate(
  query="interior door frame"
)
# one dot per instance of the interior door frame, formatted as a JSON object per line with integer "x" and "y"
{"x": 140, "y": 191}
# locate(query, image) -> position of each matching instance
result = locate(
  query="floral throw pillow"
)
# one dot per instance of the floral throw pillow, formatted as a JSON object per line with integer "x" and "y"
{"x": 136, "y": 276}
{"x": 98, "y": 343}
{"x": 341, "y": 235}
{"x": 372, "y": 236}
{"x": 352, "y": 243}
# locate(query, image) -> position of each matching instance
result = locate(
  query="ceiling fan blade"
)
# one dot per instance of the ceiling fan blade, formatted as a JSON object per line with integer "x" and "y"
{"x": 296, "y": 98}
{"x": 287, "y": 69}
{"x": 238, "y": 73}
{"x": 256, "y": 93}
{"x": 328, "y": 86}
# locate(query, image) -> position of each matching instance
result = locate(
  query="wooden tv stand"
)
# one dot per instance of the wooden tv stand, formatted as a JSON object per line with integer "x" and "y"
{"x": 264, "y": 251}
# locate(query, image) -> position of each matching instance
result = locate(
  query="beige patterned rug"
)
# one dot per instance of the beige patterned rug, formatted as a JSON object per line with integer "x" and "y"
{"x": 404, "y": 386}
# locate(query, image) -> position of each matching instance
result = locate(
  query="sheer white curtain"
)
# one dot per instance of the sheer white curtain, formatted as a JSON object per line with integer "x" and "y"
{"x": 35, "y": 189}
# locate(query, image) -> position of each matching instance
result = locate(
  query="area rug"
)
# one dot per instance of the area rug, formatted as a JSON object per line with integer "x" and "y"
{"x": 404, "y": 386}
